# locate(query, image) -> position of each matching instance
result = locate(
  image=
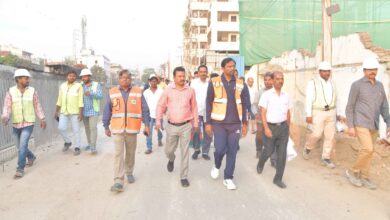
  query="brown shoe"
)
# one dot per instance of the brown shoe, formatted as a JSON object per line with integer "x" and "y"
{"x": 19, "y": 174}
{"x": 30, "y": 162}
{"x": 148, "y": 151}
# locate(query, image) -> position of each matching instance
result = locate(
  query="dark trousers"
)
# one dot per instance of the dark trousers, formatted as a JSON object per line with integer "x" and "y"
{"x": 277, "y": 143}
{"x": 196, "y": 138}
{"x": 226, "y": 138}
{"x": 259, "y": 141}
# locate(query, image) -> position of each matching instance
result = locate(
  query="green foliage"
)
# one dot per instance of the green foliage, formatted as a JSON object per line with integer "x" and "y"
{"x": 98, "y": 74}
{"x": 15, "y": 61}
{"x": 147, "y": 73}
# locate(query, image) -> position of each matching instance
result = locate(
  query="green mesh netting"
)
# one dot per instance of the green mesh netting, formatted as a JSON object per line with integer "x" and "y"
{"x": 268, "y": 28}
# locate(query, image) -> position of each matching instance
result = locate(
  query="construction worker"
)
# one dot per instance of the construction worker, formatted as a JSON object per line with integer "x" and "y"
{"x": 367, "y": 100}
{"x": 70, "y": 109}
{"x": 93, "y": 93}
{"x": 152, "y": 95}
{"x": 22, "y": 102}
{"x": 182, "y": 116}
{"x": 321, "y": 100}
{"x": 226, "y": 117}
{"x": 124, "y": 111}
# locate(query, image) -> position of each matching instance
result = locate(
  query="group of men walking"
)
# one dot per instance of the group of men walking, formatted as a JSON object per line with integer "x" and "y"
{"x": 218, "y": 108}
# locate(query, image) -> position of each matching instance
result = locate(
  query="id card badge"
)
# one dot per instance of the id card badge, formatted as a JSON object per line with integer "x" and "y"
{"x": 133, "y": 102}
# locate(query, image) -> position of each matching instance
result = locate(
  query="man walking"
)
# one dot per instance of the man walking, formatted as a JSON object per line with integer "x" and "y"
{"x": 70, "y": 109}
{"x": 275, "y": 113}
{"x": 124, "y": 111}
{"x": 92, "y": 95}
{"x": 367, "y": 100}
{"x": 152, "y": 95}
{"x": 180, "y": 101}
{"x": 321, "y": 100}
{"x": 254, "y": 101}
{"x": 200, "y": 86}
{"x": 226, "y": 116}
{"x": 268, "y": 84}
{"x": 22, "y": 102}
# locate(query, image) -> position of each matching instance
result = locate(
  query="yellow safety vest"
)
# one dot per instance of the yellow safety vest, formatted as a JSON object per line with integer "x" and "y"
{"x": 22, "y": 105}
{"x": 70, "y": 98}
{"x": 218, "y": 112}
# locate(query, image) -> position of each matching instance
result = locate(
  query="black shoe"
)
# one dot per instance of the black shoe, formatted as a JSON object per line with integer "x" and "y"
{"x": 206, "y": 157}
{"x": 273, "y": 163}
{"x": 170, "y": 166}
{"x": 66, "y": 146}
{"x": 280, "y": 184}
{"x": 76, "y": 151}
{"x": 259, "y": 169}
{"x": 195, "y": 155}
{"x": 185, "y": 183}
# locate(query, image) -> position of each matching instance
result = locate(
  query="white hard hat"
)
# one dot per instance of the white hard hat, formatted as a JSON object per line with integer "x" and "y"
{"x": 324, "y": 66}
{"x": 21, "y": 72}
{"x": 371, "y": 63}
{"x": 85, "y": 72}
{"x": 153, "y": 76}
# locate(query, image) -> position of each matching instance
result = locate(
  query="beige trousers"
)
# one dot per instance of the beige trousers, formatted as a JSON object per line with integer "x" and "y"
{"x": 125, "y": 146}
{"x": 179, "y": 135}
{"x": 367, "y": 140}
{"x": 324, "y": 123}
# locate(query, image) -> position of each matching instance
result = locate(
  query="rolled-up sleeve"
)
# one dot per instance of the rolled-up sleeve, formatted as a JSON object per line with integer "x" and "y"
{"x": 38, "y": 107}
{"x": 209, "y": 102}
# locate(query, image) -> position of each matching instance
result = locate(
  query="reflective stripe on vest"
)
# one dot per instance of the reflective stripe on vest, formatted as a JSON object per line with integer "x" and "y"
{"x": 319, "y": 102}
{"x": 22, "y": 105}
{"x": 220, "y": 99}
{"x": 126, "y": 117}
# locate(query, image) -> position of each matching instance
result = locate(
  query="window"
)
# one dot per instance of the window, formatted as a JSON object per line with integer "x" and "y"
{"x": 233, "y": 18}
{"x": 223, "y": 36}
{"x": 203, "y": 29}
{"x": 233, "y": 38}
{"x": 203, "y": 45}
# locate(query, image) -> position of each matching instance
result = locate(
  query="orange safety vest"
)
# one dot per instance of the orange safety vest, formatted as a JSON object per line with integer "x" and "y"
{"x": 126, "y": 117}
{"x": 218, "y": 112}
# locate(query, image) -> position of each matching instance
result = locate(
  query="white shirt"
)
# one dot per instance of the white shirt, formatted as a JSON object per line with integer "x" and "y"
{"x": 277, "y": 105}
{"x": 311, "y": 93}
{"x": 200, "y": 94}
{"x": 152, "y": 100}
{"x": 254, "y": 94}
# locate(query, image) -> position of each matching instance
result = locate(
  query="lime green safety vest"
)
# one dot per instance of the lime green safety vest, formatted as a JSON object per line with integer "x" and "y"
{"x": 22, "y": 105}
{"x": 96, "y": 102}
{"x": 69, "y": 99}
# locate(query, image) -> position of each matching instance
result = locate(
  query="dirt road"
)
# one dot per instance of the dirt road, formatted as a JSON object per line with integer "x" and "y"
{"x": 62, "y": 186}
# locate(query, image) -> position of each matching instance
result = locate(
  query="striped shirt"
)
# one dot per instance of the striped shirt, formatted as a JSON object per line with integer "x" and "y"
{"x": 7, "y": 110}
{"x": 181, "y": 105}
{"x": 88, "y": 110}
{"x": 365, "y": 103}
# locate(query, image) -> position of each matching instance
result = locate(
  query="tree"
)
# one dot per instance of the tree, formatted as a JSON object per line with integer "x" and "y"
{"x": 99, "y": 74}
{"x": 147, "y": 73}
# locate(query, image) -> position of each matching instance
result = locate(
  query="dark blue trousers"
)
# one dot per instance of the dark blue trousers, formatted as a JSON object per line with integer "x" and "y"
{"x": 226, "y": 138}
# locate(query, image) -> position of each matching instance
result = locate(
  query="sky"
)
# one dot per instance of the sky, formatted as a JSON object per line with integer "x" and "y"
{"x": 132, "y": 33}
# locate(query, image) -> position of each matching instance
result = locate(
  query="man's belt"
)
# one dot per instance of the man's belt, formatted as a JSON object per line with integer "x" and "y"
{"x": 276, "y": 124}
{"x": 324, "y": 109}
{"x": 178, "y": 124}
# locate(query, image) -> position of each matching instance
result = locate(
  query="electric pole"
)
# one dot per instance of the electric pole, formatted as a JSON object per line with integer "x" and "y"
{"x": 326, "y": 32}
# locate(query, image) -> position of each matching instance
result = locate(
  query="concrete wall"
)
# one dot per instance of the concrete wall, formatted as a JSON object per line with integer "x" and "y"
{"x": 299, "y": 67}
